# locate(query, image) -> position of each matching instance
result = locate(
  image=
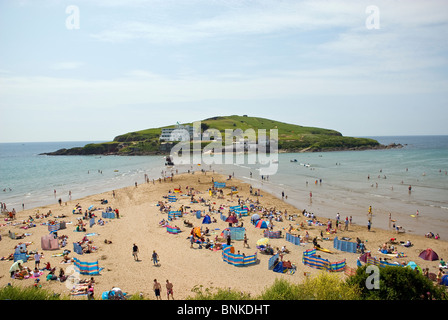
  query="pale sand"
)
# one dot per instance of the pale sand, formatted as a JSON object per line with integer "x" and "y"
{"x": 183, "y": 266}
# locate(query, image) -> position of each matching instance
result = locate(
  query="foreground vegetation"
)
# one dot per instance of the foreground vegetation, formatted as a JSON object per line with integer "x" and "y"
{"x": 395, "y": 283}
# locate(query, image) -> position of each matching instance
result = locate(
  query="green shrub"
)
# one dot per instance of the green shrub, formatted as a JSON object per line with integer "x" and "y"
{"x": 397, "y": 283}
{"x": 28, "y": 293}
{"x": 217, "y": 294}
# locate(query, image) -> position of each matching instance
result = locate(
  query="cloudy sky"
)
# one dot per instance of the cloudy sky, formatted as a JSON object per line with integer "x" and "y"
{"x": 84, "y": 70}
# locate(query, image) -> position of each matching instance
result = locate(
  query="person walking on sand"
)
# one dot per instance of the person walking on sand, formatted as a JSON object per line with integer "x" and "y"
{"x": 157, "y": 288}
{"x": 369, "y": 225}
{"x": 169, "y": 290}
{"x": 155, "y": 257}
{"x": 135, "y": 252}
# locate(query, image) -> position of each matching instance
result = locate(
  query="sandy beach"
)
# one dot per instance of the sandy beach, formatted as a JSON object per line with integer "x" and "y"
{"x": 183, "y": 266}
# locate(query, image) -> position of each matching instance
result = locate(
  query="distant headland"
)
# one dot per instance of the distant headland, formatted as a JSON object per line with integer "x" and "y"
{"x": 290, "y": 138}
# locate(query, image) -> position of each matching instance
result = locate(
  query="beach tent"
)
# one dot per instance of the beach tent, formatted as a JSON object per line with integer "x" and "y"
{"x": 206, "y": 220}
{"x": 262, "y": 224}
{"x": 444, "y": 280}
{"x": 255, "y": 217}
{"x": 413, "y": 265}
{"x": 49, "y": 242}
{"x": 429, "y": 254}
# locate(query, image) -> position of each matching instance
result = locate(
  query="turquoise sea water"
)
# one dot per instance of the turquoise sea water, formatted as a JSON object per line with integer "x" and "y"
{"x": 29, "y": 178}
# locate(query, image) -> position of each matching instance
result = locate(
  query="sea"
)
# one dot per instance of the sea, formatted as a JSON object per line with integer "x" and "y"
{"x": 325, "y": 183}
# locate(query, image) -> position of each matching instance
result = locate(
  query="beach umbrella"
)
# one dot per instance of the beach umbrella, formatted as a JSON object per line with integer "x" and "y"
{"x": 262, "y": 224}
{"x": 15, "y": 266}
{"x": 263, "y": 242}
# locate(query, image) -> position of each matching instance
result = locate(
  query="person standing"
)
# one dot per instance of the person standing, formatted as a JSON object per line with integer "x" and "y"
{"x": 369, "y": 225}
{"x": 155, "y": 257}
{"x": 169, "y": 290}
{"x": 135, "y": 252}
{"x": 37, "y": 257}
{"x": 157, "y": 288}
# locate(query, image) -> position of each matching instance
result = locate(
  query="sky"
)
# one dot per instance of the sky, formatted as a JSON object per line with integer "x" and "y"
{"x": 85, "y": 70}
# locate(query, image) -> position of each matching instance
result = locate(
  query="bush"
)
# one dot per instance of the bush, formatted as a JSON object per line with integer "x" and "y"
{"x": 27, "y": 293}
{"x": 324, "y": 286}
{"x": 397, "y": 283}
{"x": 281, "y": 290}
{"x": 217, "y": 294}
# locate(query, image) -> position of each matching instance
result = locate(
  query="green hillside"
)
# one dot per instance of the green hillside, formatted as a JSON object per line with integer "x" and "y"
{"x": 291, "y": 138}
